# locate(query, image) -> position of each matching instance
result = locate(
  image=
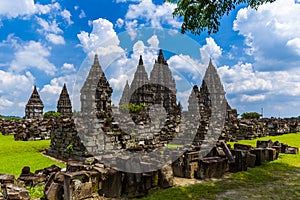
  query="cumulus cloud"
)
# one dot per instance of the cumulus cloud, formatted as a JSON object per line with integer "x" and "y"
{"x": 210, "y": 51}
{"x": 12, "y": 93}
{"x": 148, "y": 14}
{"x": 12, "y": 9}
{"x": 67, "y": 16}
{"x": 50, "y": 92}
{"x": 33, "y": 55}
{"x": 190, "y": 69}
{"x": 55, "y": 39}
{"x": 242, "y": 78}
{"x": 68, "y": 68}
{"x": 103, "y": 40}
{"x": 271, "y": 35}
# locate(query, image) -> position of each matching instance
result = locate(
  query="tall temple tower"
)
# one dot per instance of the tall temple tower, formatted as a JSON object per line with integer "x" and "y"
{"x": 161, "y": 73}
{"x": 140, "y": 77}
{"x": 34, "y": 107}
{"x": 64, "y": 106}
{"x": 88, "y": 90}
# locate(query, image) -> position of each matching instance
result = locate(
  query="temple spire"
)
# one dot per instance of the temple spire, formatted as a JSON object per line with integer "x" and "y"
{"x": 34, "y": 107}
{"x": 64, "y": 106}
{"x": 161, "y": 58}
{"x": 96, "y": 60}
{"x": 141, "y": 60}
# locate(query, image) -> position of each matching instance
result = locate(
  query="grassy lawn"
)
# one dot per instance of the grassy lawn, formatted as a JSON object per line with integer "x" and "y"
{"x": 14, "y": 155}
{"x": 279, "y": 179}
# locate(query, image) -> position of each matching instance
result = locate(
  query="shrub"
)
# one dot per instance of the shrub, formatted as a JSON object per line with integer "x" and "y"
{"x": 251, "y": 115}
{"x": 50, "y": 114}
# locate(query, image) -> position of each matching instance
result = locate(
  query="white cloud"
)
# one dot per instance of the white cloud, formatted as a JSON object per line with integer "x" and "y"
{"x": 4, "y": 103}
{"x": 15, "y": 8}
{"x": 82, "y": 14}
{"x": 11, "y": 94}
{"x": 185, "y": 64}
{"x": 210, "y": 51}
{"x": 19, "y": 8}
{"x": 55, "y": 39}
{"x": 68, "y": 68}
{"x": 147, "y": 14}
{"x": 252, "y": 98}
{"x": 242, "y": 78}
{"x": 51, "y": 27}
{"x": 103, "y": 40}
{"x": 119, "y": 23}
{"x": 294, "y": 44}
{"x": 67, "y": 16}
{"x": 33, "y": 55}
{"x": 271, "y": 34}
{"x": 50, "y": 92}
{"x": 119, "y": 83}
{"x": 153, "y": 42}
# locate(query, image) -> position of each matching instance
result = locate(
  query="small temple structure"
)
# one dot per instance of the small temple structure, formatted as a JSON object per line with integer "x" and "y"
{"x": 64, "y": 106}
{"x": 34, "y": 107}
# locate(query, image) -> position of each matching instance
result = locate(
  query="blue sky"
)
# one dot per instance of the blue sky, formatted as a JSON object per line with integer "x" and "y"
{"x": 51, "y": 42}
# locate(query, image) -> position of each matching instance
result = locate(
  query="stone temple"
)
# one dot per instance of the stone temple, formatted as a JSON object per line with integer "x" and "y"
{"x": 34, "y": 107}
{"x": 160, "y": 88}
{"x": 64, "y": 106}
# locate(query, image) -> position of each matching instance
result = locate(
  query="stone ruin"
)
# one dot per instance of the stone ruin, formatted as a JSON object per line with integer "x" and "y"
{"x": 64, "y": 105}
{"x": 97, "y": 136}
{"x": 34, "y": 107}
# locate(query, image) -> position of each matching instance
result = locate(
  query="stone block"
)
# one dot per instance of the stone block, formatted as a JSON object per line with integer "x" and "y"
{"x": 211, "y": 167}
{"x": 12, "y": 191}
{"x": 261, "y": 155}
{"x": 291, "y": 150}
{"x": 251, "y": 158}
{"x": 112, "y": 185}
{"x": 264, "y": 144}
{"x": 77, "y": 185}
{"x": 7, "y": 178}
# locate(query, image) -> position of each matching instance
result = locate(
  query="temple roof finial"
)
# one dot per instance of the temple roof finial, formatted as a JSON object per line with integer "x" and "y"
{"x": 161, "y": 58}
{"x": 141, "y": 60}
{"x": 96, "y": 60}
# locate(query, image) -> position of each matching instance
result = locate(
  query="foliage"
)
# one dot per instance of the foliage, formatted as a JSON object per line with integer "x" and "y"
{"x": 133, "y": 108}
{"x": 202, "y": 15}
{"x": 37, "y": 191}
{"x": 51, "y": 113}
{"x": 10, "y": 117}
{"x": 17, "y": 154}
{"x": 251, "y": 115}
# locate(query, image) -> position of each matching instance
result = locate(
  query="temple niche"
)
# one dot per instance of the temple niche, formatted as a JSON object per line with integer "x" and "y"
{"x": 34, "y": 107}
{"x": 64, "y": 106}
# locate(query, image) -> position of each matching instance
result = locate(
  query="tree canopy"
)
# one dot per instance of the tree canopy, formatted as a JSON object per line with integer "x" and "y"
{"x": 201, "y": 15}
{"x": 51, "y": 113}
{"x": 251, "y": 115}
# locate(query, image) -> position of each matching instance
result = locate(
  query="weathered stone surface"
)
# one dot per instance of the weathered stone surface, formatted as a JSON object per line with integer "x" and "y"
{"x": 34, "y": 107}
{"x": 64, "y": 106}
{"x": 12, "y": 191}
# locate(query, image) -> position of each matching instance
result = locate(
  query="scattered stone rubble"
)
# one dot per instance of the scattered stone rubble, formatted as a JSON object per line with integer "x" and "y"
{"x": 27, "y": 129}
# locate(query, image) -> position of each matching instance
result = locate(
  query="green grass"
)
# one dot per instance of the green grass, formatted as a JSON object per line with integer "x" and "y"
{"x": 14, "y": 155}
{"x": 279, "y": 179}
